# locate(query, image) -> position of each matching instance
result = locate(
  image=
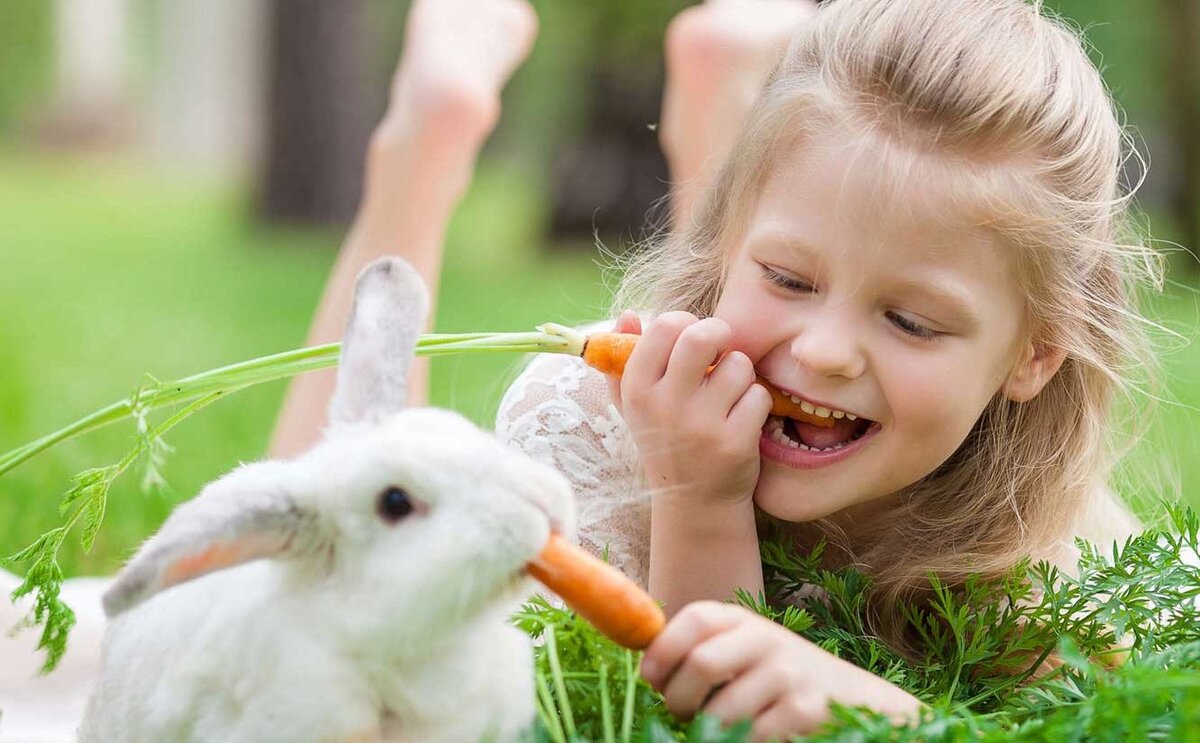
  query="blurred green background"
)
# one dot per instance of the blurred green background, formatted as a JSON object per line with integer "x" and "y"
{"x": 137, "y": 241}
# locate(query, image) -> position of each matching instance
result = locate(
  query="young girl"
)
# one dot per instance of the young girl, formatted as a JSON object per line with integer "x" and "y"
{"x": 917, "y": 235}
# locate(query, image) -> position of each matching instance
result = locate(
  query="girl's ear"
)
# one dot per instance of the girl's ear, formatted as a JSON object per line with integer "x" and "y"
{"x": 1038, "y": 364}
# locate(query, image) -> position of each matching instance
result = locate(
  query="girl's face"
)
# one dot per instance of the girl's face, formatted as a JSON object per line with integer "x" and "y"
{"x": 888, "y": 307}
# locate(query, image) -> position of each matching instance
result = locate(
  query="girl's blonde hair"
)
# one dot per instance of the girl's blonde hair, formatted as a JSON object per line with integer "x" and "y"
{"x": 1008, "y": 98}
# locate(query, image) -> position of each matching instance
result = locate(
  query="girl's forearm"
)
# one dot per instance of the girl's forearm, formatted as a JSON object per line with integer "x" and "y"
{"x": 701, "y": 551}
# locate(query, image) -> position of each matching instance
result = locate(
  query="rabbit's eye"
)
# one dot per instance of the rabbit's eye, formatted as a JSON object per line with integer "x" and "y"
{"x": 394, "y": 504}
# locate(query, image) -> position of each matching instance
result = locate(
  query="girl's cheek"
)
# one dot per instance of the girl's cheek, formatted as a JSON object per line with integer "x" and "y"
{"x": 750, "y": 340}
{"x": 757, "y": 320}
{"x": 927, "y": 396}
{"x": 936, "y": 408}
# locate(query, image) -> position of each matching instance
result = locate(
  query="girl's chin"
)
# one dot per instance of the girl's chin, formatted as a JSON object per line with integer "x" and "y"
{"x": 793, "y": 503}
{"x": 786, "y": 495}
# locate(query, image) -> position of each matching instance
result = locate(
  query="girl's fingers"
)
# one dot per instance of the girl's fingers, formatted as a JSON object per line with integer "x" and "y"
{"x": 614, "y": 391}
{"x": 728, "y": 382}
{"x": 748, "y": 695}
{"x": 628, "y": 322}
{"x": 720, "y": 659}
{"x": 790, "y": 715}
{"x": 692, "y": 625}
{"x": 750, "y": 412}
{"x": 648, "y": 362}
{"x": 697, "y": 348}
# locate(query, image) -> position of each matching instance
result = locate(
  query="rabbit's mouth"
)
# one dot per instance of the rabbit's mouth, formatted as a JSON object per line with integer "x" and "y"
{"x": 514, "y": 589}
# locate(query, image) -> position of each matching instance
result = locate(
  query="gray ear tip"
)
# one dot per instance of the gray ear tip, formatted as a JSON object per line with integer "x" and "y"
{"x": 391, "y": 269}
{"x": 394, "y": 278}
{"x": 130, "y": 588}
{"x": 117, "y": 599}
{"x": 385, "y": 266}
{"x": 391, "y": 304}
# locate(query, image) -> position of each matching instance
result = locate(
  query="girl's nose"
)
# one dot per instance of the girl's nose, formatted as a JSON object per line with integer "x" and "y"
{"x": 829, "y": 348}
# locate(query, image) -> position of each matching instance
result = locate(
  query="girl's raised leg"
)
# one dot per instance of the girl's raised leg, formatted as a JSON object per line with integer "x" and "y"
{"x": 718, "y": 55}
{"x": 445, "y": 101}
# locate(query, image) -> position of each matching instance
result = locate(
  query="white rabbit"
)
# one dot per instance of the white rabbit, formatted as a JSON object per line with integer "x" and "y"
{"x": 394, "y": 549}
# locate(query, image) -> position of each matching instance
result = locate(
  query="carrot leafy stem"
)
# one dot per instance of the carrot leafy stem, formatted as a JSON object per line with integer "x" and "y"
{"x": 83, "y": 505}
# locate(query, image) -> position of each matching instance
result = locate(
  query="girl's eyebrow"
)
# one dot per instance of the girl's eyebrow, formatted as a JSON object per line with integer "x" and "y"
{"x": 782, "y": 240}
{"x": 790, "y": 243}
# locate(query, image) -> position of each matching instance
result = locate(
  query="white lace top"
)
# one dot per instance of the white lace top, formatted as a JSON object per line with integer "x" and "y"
{"x": 559, "y": 412}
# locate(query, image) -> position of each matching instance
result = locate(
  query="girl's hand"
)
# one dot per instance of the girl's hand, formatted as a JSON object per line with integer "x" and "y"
{"x": 697, "y": 432}
{"x": 728, "y": 662}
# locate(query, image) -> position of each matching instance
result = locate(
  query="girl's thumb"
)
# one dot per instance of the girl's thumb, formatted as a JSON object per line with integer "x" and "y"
{"x": 628, "y": 322}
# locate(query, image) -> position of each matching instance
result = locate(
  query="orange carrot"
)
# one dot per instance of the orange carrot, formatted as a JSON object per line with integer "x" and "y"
{"x": 782, "y": 405}
{"x": 600, "y": 593}
{"x": 608, "y": 352}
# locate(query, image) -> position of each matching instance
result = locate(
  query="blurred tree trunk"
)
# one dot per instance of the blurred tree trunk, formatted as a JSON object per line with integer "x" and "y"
{"x": 319, "y": 110}
{"x": 91, "y": 104}
{"x": 1182, "y": 82}
{"x": 609, "y": 173}
{"x": 209, "y": 84}
{"x": 606, "y": 182}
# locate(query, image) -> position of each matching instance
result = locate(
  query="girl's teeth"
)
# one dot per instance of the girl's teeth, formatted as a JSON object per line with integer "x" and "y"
{"x": 820, "y": 412}
{"x": 775, "y": 430}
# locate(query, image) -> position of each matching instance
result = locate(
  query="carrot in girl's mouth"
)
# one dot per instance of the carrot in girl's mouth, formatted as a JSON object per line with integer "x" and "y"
{"x": 608, "y": 352}
{"x": 599, "y": 593}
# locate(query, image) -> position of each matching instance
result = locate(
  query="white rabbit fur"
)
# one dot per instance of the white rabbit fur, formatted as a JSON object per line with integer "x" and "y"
{"x": 354, "y": 628}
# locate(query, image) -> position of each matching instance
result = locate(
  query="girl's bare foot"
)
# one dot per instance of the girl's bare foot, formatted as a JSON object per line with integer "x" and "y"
{"x": 445, "y": 96}
{"x": 718, "y": 55}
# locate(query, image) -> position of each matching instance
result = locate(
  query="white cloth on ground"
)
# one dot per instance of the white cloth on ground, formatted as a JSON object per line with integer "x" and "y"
{"x": 36, "y": 708}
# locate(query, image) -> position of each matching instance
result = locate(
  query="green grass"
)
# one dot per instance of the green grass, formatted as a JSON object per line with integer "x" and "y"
{"x": 112, "y": 271}
{"x": 1166, "y": 463}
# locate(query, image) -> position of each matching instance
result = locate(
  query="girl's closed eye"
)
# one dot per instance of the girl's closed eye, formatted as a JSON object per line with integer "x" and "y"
{"x": 912, "y": 327}
{"x": 786, "y": 281}
{"x": 790, "y": 283}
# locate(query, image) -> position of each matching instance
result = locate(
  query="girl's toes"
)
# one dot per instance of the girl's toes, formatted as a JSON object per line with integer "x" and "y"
{"x": 458, "y": 56}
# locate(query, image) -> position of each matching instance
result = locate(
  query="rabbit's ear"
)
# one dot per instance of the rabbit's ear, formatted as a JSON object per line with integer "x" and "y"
{"x": 242, "y": 517}
{"x": 390, "y": 304}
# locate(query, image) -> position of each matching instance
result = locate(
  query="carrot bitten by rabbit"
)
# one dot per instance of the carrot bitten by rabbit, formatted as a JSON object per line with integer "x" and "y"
{"x": 355, "y": 587}
{"x": 600, "y": 593}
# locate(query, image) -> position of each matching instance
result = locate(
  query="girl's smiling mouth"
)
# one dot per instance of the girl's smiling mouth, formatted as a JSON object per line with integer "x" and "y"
{"x": 796, "y": 442}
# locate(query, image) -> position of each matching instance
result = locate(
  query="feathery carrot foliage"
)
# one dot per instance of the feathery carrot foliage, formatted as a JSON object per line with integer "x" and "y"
{"x": 983, "y": 642}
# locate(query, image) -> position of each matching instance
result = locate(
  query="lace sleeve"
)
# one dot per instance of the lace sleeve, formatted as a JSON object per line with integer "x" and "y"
{"x": 558, "y": 411}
